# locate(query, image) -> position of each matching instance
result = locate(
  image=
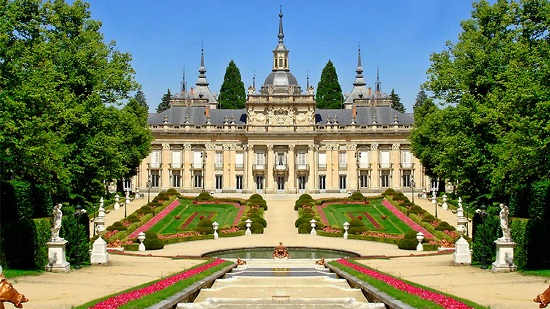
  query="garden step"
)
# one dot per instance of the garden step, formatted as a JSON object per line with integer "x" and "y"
{"x": 282, "y": 302}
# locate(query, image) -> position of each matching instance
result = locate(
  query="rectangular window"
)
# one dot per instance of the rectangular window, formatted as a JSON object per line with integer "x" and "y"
{"x": 301, "y": 160}
{"x": 301, "y": 182}
{"x": 219, "y": 160}
{"x": 385, "y": 159}
{"x": 260, "y": 157}
{"x": 219, "y": 182}
{"x": 197, "y": 180}
{"x": 363, "y": 180}
{"x": 155, "y": 179}
{"x": 259, "y": 182}
{"x": 281, "y": 182}
{"x": 281, "y": 158}
{"x": 406, "y": 179}
{"x": 176, "y": 179}
{"x": 385, "y": 179}
{"x": 239, "y": 182}
{"x": 406, "y": 159}
{"x": 342, "y": 159}
{"x": 364, "y": 159}
{"x": 197, "y": 159}
{"x": 322, "y": 182}
{"x": 239, "y": 160}
{"x": 322, "y": 160}
{"x": 342, "y": 182}
{"x": 176, "y": 159}
{"x": 155, "y": 159}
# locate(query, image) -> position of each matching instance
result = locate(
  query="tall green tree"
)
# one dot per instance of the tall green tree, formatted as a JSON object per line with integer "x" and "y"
{"x": 165, "y": 102}
{"x": 329, "y": 93}
{"x": 494, "y": 87}
{"x": 421, "y": 97}
{"x": 232, "y": 93}
{"x": 140, "y": 98}
{"x": 60, "y": 134}
{"x": 396, "y": 102}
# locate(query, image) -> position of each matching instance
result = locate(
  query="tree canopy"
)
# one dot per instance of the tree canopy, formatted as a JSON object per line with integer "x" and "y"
{"x": 329, "y": 93}
{"x": 59, "y": 129}
{"x": 165, "y": 102}
{"x": 396, "y": 102}
{"x": 492, "y": 133}
{"x": 140, "y": 98}
{"x": 232, "y": 93}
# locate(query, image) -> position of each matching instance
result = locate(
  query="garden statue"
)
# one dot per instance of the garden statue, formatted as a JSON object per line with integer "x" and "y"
{"x": 9, "y": 294}
{"x": 543, "y": 298}
{"x": 320, "y": 262}
{"x": 281, "y": 252}
{"x": 504, "y": 225}
{"x": 57, "y": 216}
{"x": 240, "y": 262}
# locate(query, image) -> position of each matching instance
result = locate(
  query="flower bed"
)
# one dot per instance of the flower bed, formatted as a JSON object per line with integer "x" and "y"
{"x": 406, "y": 219}
{"x": 442, "y": 300}
{"x": 121, "y": 299}
{"x": 155, "y": 219}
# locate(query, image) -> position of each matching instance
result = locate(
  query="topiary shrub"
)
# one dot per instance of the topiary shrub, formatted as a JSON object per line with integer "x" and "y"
{"x": 415, "y": 210}
{"x": 408, "y": 242}
{"x": 389, "y": 191}
{"x": 172, "y": 191}
{"x": 256, "y": 228}
{"x": 304, "y": 228}
{"x": 302, "y": 219}
{"x": 132, "y": 218}
{"x": 356, "y": 226}
{"x": 204, "y": 197}
{"x": 357, "y": 197}
{"x": 152, "y": 242}
{"x": 256, "y": 196}
{"x": 117, "y": 226}
{"x": 204, "y": 226}
{"x": 428, "y": 218}
{"x": 444, "y": 226}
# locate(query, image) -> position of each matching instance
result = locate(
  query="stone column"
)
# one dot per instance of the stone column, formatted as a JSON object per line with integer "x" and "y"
{"x": 352, "y": 179}
{"x": 209, "y": 170}
{"x": 187, "y": 161}
{"x": 232, "y": 184}
{"x": 165, "y": 160}
{"x": 248, "y": 161}
{"x": 226, "y": 175}
{"x": 312, "y": 172}
{"x": 396, "y": 170}
{"x": 374, "y": 158}
{"x": 269, "y": 163}
{"x": 291, "y": 160}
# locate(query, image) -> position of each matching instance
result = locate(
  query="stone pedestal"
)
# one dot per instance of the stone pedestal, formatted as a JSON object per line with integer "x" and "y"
{"x": 57, "y": 261}
{"x": 99, "y": 252}
{"x": 505, "y": 256}
{"x": 462, "y": 252}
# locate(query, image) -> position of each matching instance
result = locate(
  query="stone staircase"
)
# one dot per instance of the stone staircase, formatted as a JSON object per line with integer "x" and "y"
{"x": 281, "y": 284}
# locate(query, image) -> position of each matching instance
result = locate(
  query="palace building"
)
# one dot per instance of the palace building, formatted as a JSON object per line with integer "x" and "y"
{"x": 280, "y": 142}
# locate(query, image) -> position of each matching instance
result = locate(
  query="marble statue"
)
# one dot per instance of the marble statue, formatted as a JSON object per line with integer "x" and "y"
{"x": 504, "y": 225}
{"x": 57, "y": 216}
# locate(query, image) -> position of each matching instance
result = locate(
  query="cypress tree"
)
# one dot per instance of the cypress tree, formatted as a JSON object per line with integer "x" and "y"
{"x": 232, "y": 93}
{"x": 140, "y": 98}
{"x": 329, "y": 93}
{"x": 396, "y": 102}
{"x": 165, "y": 103}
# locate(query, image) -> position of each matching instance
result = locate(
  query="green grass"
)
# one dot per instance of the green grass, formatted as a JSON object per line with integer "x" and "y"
{"x": 403, "y": 296}
{"x": 540, "y": 273}
{"x": 155, "y": 298}
{"x": 224, "y": 214}
{"x": 337, "y": 214}
{"x": 12, "y": 273}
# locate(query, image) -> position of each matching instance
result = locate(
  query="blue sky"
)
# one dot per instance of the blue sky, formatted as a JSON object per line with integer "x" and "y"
{"x": 165, "y": 36}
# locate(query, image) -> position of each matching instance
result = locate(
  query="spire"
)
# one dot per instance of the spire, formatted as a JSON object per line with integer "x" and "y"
{"x": 183, "y": 82}
{"x": 202, "y": 72}
{"x": 307, "y": 77}
{"x": 359, "y": 81}
{"x": 281, "y": 35}
{"x": 254, "y": 79}
{"x": 377, "y": 87}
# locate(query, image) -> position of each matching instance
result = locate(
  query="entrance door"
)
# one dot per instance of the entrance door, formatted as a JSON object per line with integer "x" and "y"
{"x": 302, "y": 184}
{"x": 281, "y": 184}
{"x": 259, "y": 183}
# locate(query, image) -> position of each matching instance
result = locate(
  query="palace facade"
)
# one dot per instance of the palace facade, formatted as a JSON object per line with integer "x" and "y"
{"x": 280, "y": 142}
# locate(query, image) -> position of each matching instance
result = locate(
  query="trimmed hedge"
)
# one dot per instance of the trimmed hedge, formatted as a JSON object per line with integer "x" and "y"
{"x": 152, "y": 242}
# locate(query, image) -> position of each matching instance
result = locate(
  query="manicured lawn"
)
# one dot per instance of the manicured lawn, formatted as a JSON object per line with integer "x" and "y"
{"x": 187, "y": 215}
{"x": 381, "y": 218}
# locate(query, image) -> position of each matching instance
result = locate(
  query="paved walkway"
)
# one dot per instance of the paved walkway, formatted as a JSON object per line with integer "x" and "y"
{"x": 63, "y": 290}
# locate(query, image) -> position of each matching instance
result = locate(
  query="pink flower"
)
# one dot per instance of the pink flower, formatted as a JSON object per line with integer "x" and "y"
{"x": 155, "y": 219}
{"x": 121, "y": 299}
{"x": 406, "y": 219}
{"x": 442, "y": 300}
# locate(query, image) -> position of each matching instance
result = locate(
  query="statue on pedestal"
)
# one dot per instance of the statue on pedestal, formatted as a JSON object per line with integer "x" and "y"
{"x": 281, "y": 252}
{"x": 56, "y": 227}
{"x": 504, "y": 225}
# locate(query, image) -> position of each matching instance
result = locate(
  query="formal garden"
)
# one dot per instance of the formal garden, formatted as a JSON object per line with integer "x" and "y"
{"x": 171, "y": 217}
{"x": 389, "y": 217}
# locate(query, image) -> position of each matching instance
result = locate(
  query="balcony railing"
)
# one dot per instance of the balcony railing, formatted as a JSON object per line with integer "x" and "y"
{"x": 363, "y": 166}
{"x": 322, "y": 166}
{"x": 218, "y": 166}
{"x": 385, "y": 166}
{"x": 302, "y": 167}
{"x": 197, "y": 166}
{"x": 258, "y": 167}
{"x": 342, "y": 166}
{"x": 239, "y": 166}
{"x": 407, "y": 166}
{"x": 154, "y": 166}
{"x": 176, "y": 166}
{"x": 280, "y": 168}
